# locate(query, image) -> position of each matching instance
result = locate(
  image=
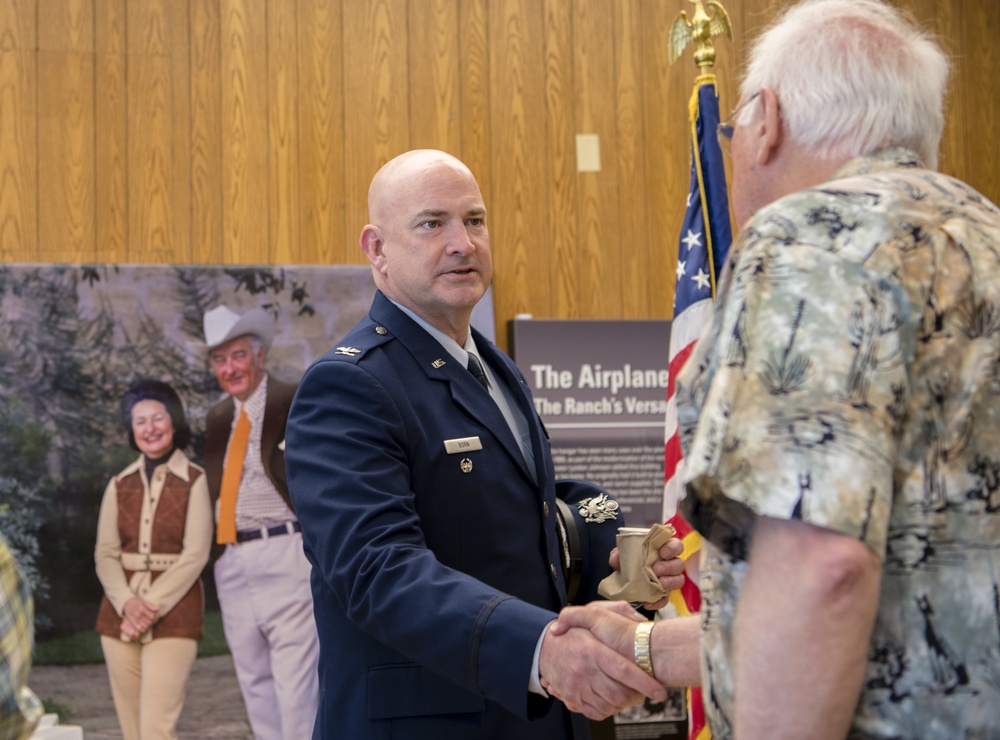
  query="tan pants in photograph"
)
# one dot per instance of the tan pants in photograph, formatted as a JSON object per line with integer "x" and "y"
{"x": 148, "y": 684}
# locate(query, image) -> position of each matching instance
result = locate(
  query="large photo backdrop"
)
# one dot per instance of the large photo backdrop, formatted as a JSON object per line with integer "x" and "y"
{"x": 73, "y": 338}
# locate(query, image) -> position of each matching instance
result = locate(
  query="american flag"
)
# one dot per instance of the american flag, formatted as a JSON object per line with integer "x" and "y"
{"x": 704, "y": 242}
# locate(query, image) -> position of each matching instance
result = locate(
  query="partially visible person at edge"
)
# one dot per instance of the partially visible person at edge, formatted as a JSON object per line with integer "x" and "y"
{"x": 20, "y": 709}
{"x": 262, "y": 576}
{"x": 428, "y": 500}
{"x": 841, "y": 416}
{"x": 154, "y": 536}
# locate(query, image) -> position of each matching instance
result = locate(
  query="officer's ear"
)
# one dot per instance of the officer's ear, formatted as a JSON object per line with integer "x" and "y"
{"x": 372, "y": 245}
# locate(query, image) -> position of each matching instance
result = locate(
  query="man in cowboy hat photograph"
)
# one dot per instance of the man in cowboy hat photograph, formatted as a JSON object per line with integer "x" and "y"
{"x": 262, "y": 576}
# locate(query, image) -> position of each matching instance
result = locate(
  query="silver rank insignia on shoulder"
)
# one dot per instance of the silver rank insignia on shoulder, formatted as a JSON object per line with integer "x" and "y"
{"x": 349, "y": 351}
{"x": 437, "y": 363}
{"x": 598, "y": 509}
{"x": 466, "y": 465}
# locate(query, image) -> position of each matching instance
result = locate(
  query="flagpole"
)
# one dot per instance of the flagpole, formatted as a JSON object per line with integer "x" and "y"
{"x": 700, "y": 29}
{"x": 706, "y": 217}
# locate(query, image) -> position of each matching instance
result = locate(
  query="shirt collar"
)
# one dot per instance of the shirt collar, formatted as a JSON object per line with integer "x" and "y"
{"x": 255, "y": 401}
{"x": 177, "y": 464}
{"x": 889, "y": 158}
{"x": 459, "y": 352}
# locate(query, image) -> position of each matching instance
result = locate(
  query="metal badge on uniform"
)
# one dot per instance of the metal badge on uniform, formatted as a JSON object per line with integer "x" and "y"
{"x": 598, "y": 509}
{"x": 437, "y": 364}
{"x": 466, "y": 465}
{"x": 349, "y": 351}
{"x": 465, "y": 444}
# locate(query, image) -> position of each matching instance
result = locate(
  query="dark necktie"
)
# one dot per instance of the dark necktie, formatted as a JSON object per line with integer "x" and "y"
{"x": 476, "y": 368}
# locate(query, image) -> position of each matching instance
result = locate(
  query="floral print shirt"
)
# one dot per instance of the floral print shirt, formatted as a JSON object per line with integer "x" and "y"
{"x": 850, "y": 378}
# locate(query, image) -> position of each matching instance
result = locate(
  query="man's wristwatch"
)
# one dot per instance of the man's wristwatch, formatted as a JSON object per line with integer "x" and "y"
{"x": 643, "y": 658}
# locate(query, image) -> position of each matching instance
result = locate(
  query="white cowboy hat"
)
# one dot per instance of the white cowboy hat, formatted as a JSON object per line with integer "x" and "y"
{"x": 223, "y": 324}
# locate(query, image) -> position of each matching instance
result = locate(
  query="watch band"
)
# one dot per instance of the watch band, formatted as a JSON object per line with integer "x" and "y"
{"x": 643, "y": 657}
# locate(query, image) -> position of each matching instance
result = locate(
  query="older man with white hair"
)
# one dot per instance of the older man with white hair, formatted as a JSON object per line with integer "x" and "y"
{"x": 841, "y": 417}
{"x": 262, "y": 577}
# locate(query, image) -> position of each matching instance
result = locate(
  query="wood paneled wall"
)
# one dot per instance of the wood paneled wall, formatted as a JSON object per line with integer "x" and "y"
{"x": 247, "y": 131}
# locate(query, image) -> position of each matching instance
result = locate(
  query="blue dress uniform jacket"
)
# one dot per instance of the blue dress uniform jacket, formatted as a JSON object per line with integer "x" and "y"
{"x": 434, "y": 570}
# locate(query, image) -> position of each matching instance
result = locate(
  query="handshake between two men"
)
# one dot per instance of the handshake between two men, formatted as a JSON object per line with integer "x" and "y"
{"x": 597, "y": 658}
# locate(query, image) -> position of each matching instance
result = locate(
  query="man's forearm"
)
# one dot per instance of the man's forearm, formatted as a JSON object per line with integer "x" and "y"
{"x": 676, "y": 651}
{"x": 803, "y": 625}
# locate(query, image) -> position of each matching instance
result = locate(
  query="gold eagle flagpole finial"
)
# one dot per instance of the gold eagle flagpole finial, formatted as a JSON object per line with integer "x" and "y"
{"x": 701, "y": 29}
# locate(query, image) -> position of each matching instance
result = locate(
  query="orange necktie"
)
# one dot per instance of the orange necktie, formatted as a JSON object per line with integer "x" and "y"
{"x": 231, "y": 479}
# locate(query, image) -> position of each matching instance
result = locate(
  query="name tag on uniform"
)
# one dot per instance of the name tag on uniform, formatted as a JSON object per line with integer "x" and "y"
{"x": 466, "y": 444}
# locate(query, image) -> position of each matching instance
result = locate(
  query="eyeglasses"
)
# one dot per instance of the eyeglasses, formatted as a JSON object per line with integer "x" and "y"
{"x": 724, "y": 131}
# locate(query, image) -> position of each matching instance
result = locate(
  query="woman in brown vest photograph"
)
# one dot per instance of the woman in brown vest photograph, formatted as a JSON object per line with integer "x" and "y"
{"x": 154, "y": 535}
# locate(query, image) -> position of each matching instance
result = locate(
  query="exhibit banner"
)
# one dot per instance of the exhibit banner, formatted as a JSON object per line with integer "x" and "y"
{"x": 74, "y": 337}
{"x": 600, "y": 388}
